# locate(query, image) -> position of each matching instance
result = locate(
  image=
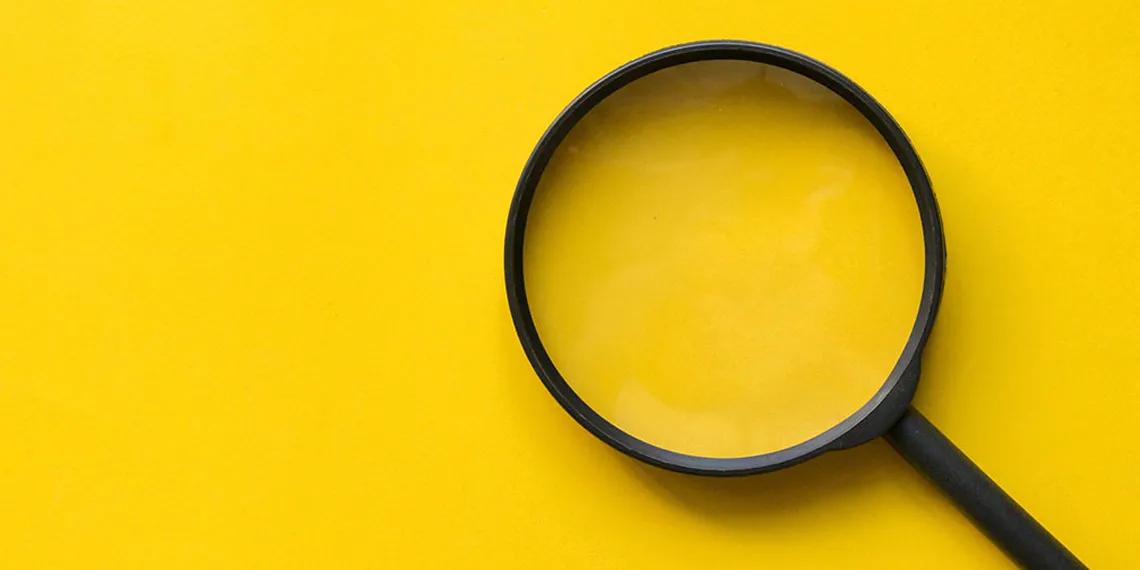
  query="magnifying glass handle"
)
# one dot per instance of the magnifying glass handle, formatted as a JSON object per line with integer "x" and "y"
{"x": 993, "y": 511}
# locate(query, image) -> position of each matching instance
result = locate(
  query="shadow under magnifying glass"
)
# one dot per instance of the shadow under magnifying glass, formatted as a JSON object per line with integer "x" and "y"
{"x": 771, "y": 497}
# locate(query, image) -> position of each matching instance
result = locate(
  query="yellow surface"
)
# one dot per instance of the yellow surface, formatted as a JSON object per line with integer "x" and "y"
{"x": 253, "y": 312}
{"x": 724, "y": 259}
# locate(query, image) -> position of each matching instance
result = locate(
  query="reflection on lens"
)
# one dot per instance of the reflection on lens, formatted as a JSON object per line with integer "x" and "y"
{"x": 724, "y": 259}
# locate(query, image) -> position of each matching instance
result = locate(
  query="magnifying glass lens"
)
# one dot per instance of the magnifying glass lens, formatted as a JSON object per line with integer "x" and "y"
{"x": 724, "y": 259}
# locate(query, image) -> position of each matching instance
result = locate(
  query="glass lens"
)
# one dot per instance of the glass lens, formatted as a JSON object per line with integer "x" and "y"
{"x": 724, "y": 259}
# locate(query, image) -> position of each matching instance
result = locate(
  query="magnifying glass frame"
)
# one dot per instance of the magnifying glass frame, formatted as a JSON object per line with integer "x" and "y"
{"x": 869, "y": 421}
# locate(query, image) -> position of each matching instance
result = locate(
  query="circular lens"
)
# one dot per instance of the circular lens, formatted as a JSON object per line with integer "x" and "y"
{"x": 724, "y": 259}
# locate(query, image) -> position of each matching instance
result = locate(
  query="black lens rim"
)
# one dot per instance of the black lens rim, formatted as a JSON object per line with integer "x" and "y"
{"x": 874, "y": 417}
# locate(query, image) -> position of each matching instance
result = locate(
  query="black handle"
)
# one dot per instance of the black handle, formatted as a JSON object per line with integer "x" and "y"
{"x": 994, "y": 512}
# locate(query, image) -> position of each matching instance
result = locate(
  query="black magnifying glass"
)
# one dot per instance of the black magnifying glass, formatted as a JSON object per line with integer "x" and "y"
{"x": 714, "y": 264}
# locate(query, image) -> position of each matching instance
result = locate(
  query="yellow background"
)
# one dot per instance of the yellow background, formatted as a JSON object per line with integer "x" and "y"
{"x": 252, "y": 312}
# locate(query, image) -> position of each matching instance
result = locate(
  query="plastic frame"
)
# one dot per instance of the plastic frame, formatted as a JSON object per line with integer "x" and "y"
{"x": 876, "y": 416}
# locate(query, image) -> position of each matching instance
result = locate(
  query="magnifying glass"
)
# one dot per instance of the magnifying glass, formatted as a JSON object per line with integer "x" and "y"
{"x": 725, "y": 258}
